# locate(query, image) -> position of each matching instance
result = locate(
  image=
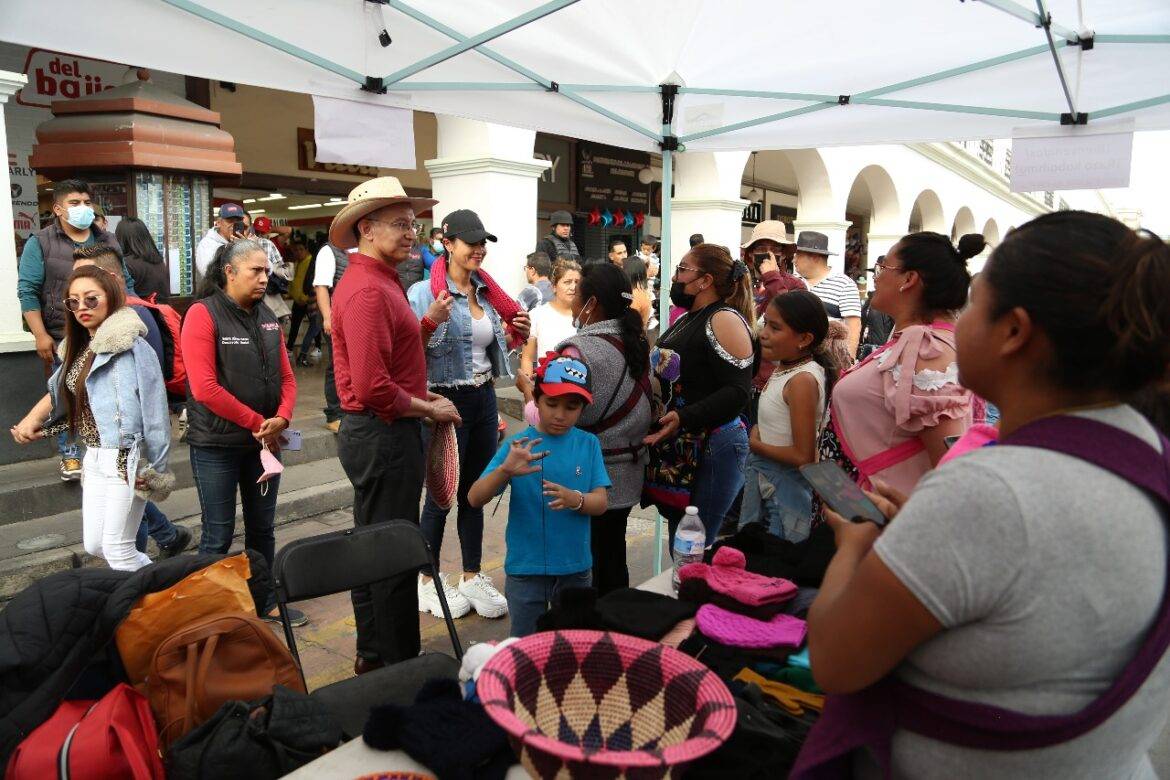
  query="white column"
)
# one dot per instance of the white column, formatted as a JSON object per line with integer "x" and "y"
{"x": 490, "y": 169}
{"x": 706, "y": 200}
{"x": 835, "y": 230}
{"x": 881, "y": 243}
{"x": 13, "y": 338}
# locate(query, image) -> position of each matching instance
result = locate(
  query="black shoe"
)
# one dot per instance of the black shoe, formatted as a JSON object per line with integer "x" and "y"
{"x": 182, "y": 539}
{"x": 296, "y": 618}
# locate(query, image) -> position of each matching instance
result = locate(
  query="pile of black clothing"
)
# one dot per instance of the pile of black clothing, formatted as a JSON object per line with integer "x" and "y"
{"x": 804, "y": 563}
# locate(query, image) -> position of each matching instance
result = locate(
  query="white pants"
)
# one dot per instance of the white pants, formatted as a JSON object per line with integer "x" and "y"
{"x": 110, "y": 512}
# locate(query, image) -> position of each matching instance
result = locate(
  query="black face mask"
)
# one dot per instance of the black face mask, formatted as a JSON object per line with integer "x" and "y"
{"x": 680, "y": 297}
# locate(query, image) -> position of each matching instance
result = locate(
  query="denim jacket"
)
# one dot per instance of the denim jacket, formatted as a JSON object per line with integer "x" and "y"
{"x": 128, "y": 399}
{"x": 449, "y": 348}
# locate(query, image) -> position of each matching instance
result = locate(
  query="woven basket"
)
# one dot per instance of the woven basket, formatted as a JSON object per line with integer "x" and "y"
{"x": 443, "y": 465}
{"x": 592, "y": 704}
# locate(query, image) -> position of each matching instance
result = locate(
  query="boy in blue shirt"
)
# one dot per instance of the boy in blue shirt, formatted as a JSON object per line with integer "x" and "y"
{"x": 555, "y": 491}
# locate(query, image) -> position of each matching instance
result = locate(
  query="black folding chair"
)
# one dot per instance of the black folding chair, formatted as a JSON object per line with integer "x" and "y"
{"x": 341, "y": 561}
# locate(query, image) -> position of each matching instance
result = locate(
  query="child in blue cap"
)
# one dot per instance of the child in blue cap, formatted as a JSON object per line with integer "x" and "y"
{"x": 555, "y": 491}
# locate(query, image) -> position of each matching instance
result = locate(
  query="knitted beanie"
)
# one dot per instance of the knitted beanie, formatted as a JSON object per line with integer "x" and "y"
{"x": 642, "y": 613}
{"x": 697, "y": 592}
{"x": 727, "y": 576}
{"x": 735, "y": 630}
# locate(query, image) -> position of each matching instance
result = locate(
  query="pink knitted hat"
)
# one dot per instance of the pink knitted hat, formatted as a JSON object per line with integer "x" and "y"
{"x": 729, "y": 628}
{"x": 726, "y": 575}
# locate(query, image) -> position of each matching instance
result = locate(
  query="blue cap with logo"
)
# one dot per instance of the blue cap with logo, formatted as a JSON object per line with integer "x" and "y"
{"x": 563, "y": 375}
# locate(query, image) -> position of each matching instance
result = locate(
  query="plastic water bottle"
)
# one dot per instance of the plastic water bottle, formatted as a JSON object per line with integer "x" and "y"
{"x": 689, "y": 541}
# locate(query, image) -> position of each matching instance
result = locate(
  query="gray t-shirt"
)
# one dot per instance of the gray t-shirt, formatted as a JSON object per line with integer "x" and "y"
{"x": 1045, "y": 572}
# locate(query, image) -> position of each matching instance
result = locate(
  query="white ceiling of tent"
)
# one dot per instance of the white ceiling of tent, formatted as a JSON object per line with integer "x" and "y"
{"x": 833, "y": 48}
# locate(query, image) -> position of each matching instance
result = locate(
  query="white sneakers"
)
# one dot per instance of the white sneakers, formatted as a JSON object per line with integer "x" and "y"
{"x": 478, "y": 592}
{"x": 428, "y": 598}
{"x": 488, "y": 601}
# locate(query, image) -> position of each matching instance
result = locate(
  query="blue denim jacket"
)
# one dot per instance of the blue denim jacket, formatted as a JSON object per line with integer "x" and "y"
{"x": 128, "y": 399}
{"x": 449, "y": 348}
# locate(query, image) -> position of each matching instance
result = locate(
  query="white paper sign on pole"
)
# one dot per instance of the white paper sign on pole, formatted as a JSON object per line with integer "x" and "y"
{"x": 25, "y": 218}
{"x": 1076, "y": 159}
{"x": 357, "y": 133}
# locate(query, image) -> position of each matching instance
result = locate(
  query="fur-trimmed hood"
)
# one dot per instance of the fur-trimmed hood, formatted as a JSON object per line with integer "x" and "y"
{"x": 115, "y": 335}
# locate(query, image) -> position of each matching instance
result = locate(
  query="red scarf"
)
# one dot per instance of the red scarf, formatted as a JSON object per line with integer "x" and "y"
{"x": 500, "y": 300}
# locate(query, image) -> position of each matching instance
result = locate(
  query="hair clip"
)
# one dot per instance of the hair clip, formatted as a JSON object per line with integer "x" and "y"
{"x": 628, "y": 296}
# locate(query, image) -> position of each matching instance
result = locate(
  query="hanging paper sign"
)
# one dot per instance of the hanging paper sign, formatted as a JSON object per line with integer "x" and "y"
{"x": 1079, "y": 158}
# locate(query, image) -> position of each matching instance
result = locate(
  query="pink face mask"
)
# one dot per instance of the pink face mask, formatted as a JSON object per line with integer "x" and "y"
{"x": 272, "y": 467}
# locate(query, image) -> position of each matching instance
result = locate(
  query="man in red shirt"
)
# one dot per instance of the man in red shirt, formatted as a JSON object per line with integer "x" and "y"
{"x": 381, "y": 376}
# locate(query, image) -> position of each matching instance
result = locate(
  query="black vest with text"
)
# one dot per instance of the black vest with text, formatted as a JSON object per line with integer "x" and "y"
{"x": 247, "y": 365}
{"x": 57, "y": 248}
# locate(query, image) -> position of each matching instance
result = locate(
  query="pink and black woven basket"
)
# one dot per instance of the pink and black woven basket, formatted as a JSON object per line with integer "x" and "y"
{"x": 443, "y": 465}
{"x": 592, "y": 704}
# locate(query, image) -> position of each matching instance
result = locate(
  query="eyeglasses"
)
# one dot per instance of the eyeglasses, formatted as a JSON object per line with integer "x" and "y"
{"x": 401, "y": 225}
{"x": 878, "y": 268}
{"x": 88, "y": 302}
{"x": 679, "y": 269}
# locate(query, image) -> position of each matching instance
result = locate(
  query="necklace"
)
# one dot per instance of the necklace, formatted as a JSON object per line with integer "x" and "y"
{"x": 789, "y": 365}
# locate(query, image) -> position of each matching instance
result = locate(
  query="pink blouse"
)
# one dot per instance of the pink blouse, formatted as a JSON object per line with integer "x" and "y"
{"x": 881, "y": 405}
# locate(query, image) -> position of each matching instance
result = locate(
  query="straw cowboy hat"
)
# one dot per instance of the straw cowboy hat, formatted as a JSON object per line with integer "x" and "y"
{"x": 771, "y": 229}
{"x": 366, "y": 198}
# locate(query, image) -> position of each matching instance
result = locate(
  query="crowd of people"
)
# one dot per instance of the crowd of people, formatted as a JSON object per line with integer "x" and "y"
{"x": 995, "y": 584}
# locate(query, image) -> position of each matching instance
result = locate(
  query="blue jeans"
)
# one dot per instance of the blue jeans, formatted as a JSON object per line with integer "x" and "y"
{"x": 66, "y": 447}
{"x": 157, "y": 525}
{"x": 219, "y": 473}
{"x": 777, "y": 495}
{"x": 719, "y": 478}
{"x": 477, "y": 438}
{"x": 311, "y": 334}
{"x": 530, "y": 596}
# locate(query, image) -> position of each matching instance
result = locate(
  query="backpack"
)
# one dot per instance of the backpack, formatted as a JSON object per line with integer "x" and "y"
{"x": 260, "y": 740}
{"x": 114, "y": 736}
{"x": 169, "y": 322}
{"x": 226, "y": 657}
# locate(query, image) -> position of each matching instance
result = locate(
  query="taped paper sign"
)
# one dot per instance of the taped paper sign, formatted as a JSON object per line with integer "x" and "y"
{"x": 1077, "y": 159}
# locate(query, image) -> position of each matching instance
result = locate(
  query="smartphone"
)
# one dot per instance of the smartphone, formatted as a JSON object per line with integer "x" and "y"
{"x": 238, "y": 228}
{"x": 950, "y": 441}
{"x": 760, "y": 257}
{"x": 292, "y": 440}
{"x": 841, "y": 493}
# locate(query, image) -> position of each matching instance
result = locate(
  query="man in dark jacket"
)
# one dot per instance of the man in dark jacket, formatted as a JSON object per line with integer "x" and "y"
{"x": 559, "y": 243}
{"x": 56, "y": 636}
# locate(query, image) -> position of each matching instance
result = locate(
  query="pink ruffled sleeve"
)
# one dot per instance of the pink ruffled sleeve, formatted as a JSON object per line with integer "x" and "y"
{"x": 920, "y": 398}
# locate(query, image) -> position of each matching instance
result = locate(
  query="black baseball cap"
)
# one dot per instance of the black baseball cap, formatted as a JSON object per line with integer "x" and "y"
{"x": 231, "y": 211}
{"x": 467, "y": 225}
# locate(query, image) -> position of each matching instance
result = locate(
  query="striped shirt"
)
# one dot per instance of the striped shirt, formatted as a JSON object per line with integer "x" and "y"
{"x": 839, "y": 295}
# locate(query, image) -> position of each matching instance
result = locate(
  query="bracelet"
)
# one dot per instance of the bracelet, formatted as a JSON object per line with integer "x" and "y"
{"x": 581, "y": 504}
{"x": 429, "y": 324}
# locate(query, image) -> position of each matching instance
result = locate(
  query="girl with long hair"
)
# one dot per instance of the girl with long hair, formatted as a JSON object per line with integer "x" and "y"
{"x": 143, "y": 260}
{"x": 791, "y": 414}
{"x": 552, "y": 322}
{"x": 109, "y": 393}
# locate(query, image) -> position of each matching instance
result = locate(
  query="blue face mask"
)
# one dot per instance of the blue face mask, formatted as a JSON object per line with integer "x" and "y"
{"x": 80, "y": 217}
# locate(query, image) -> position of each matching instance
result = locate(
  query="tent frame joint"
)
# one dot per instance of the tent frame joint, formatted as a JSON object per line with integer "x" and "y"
{"x": 1086, "y": 42}
{"x": 553, "y": 87}
{"x": 669, "y": 93}
{"x": 669, "y": 143}
{"x": 1080, "y": 119}
{"x": 843, "y": 100}
{"x": 375, "y": 84}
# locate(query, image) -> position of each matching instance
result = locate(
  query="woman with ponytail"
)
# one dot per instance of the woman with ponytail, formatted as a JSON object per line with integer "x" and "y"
{"x": 891, "y": 413}
{"x": 1012, "y": 621}
{"x": 610, "y": 341}
{"x": 705, "y": 358}
{"x": 791, "y": 414}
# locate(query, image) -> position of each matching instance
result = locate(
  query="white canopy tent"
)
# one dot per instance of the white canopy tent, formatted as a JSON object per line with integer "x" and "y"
{"x": 665, "y": 75}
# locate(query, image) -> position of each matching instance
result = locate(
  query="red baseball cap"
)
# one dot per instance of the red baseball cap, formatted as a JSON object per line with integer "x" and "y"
{"x": 262, "y": 225}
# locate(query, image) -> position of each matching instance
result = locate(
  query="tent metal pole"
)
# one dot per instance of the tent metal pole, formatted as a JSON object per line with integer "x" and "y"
{"x": 266, "y": 39}
{"x": 1046, "y": 23}
{"x": 751, "y": 93}
{"x": 1036, "y": 20}
{"x": 760, "y": 121}
{"x": 608, "y": 88}
{"x": 466, "y": 86}
{"x": 1131, "y": 38}
{"x": 665, "y": 273}
{"x": 470, "y": 43}
{"x": 1134, "y": 106}
{"x": 516, "y": 67}
{"x": 952, "y": 72}
{"x": 958, "y": 109}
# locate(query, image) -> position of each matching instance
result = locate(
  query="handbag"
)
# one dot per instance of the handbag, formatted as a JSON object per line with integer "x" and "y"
{"x": 260, "y": 740}
{"x": 673, "y": 464}
{"x": 220, "y": 587}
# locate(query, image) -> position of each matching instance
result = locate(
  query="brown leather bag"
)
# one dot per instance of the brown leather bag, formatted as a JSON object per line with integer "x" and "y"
{"x": 226, "y": 657}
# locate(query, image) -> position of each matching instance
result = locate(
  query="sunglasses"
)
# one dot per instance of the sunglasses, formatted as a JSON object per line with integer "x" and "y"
{"x": 88, "y": 302}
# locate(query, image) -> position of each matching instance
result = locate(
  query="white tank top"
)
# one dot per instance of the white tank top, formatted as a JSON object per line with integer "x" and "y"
{"x": 774, "y": 418}
{"x": 481, "y": 339}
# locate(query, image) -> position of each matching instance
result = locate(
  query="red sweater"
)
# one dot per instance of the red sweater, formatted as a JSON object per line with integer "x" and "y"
{"x": 198, "y": 341}
{"x": 378, "y": 359}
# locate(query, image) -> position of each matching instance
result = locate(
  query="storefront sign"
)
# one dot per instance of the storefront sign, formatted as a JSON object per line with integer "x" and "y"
{"x": 56, "y": 76}
{"x": 307, "y": 158}
{"x": 554, "y": 185}
{"x": 607, "y": 177}
{"x": 24, "y": 194}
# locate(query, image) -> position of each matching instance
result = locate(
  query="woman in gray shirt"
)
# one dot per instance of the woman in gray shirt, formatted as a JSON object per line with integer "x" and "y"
{"x": 1015, "y": 576}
